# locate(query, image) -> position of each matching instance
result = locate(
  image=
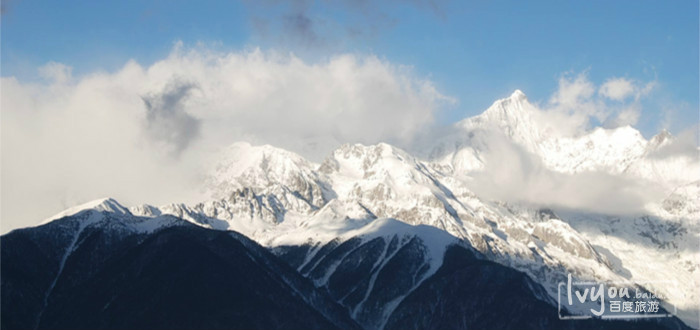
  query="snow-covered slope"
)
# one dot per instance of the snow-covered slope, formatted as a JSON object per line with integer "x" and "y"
{"x": 277, "y": 198}
{"x": 359, "y": 268}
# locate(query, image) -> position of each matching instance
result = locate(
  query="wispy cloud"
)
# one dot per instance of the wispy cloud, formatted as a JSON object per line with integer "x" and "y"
{"x": 617, "y": 89}
{"x": 620, "y": 89}
{"x": 302, "y": 24}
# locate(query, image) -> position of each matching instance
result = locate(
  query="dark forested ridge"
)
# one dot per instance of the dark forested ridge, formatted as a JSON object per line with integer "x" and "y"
{"x": 82, "y": 273}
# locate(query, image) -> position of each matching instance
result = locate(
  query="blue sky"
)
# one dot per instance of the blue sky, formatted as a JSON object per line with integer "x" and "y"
{"x": 474, "y": 51}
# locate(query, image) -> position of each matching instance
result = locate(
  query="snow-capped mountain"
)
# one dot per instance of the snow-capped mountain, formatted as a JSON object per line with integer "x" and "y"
{"x": 278, "y": 198}
{"x": 615, "y": 151}
{"x": 344, "y": 222}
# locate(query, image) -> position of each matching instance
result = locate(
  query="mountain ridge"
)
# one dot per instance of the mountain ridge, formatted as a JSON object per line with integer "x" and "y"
{"x": 277, "y": 198}
{"x": 180, "y": 275}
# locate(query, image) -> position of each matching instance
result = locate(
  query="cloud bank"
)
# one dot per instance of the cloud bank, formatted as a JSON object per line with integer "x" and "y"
{"x": 146, "y": 134}
{"x": 513, "y": 174}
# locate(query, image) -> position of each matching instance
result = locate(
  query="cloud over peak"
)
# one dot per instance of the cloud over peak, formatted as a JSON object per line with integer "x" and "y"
{"x": 144, "y": 133}
{"x": 147, "y": 133}
{"x": 579, "y": 104}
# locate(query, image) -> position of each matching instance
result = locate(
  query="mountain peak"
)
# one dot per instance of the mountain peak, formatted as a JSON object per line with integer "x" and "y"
{"x": 514, "y": 116}
{"x": 102, "y": 205}
{"x": 243, "y": 161}
{"x": 518, "y": 95}
{"x": 515, "y": 105}
{"x": 266, "y": 170}
{"x": 663, "y": 138}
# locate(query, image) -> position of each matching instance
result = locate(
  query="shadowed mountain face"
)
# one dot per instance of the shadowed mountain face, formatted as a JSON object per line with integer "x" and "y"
{"x": 470, "y": 293}
{"x": 466, "y": 292}
{"x": 180, "y": 277}
{"x": 102, "y": 270}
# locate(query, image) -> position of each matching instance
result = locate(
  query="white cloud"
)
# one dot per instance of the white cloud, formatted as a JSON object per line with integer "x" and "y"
{"x": 572, "y": 92}
{"x": 513, "y": 174}
{"x": 617, "y": 89}
{"x": 138, "y": 135}
{"x": 620, "y": 89}
{"x": 575, "y": 103}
